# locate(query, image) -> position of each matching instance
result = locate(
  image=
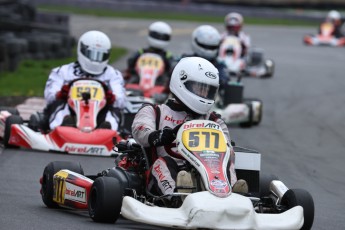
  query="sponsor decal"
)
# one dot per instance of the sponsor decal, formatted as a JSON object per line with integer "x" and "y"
{"x": 218, "y": 184}
{"x": 183, "y": 75}
{"x": 165, "y": 183}
{"x": 193, "y": 125}
{"x": 170, "y": 118}
{"x": 212, "y": 126}
{"x": 211, "y": 75}
{"x": 84, "y": 149}
{"x": 188, "y": 155}
{"x": 75, "y": 193}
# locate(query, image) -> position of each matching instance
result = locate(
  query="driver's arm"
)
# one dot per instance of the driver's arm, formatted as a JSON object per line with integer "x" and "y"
{"x": 53, "y": 85}
{"x": 117, "y": 86}
{"x": 143, "y": 125}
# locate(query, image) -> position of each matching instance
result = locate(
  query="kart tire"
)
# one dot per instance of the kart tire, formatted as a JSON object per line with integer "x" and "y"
{"x": 295, "y": 197}
{"x": 248, "y": 123}
{"x": 265, "y": 181}
{"x": 47, "y": 187}
{"x": 11, "y": 110}
{"x": 269, "y": 69}
{"x": 11, "y": 120}
{"x": 105, "y": 200}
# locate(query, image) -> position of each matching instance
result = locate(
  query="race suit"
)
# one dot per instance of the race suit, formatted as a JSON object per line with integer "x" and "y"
{"x": 165, "y": 168}
{"x": 244, "y": 39}
{"x": 131, "y": 75}
{"x": 65, "y": 74}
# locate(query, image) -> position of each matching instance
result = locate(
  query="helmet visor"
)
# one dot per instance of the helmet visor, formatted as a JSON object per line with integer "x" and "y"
{"x": 207, "y": 47}
{"x": 201, "y": 89}
{"x": 93, "y": 54}
{"x": 159, "y": 36}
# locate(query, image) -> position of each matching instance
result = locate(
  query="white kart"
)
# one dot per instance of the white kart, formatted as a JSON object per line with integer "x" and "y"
{"x": 210, "y": 202}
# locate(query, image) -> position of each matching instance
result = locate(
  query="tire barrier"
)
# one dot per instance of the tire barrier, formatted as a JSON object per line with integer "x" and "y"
{"x": 28, "y": 34}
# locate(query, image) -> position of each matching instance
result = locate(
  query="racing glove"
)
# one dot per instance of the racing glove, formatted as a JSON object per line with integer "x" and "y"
{"x": 63, "y": 93}
{"x": 162, "y": 137}
{"x": 110, "y": 97}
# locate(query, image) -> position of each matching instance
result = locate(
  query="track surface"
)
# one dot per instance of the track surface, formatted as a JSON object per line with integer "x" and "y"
{"x": 301, "y": 137}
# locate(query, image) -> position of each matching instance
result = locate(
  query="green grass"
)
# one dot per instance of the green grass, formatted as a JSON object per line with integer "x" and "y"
{"x": 30, "y": 78}
{"x": 171, "y": 16}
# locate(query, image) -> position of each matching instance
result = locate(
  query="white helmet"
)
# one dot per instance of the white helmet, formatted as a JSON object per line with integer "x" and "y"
{"x": 233, "y": 22}
{"x": 159, "y": 35}
{"x": 195, "y": 82}
{"x": 93, "y": 52}
{"x": 334, "y": 16}
{"x": 206, "y": 41}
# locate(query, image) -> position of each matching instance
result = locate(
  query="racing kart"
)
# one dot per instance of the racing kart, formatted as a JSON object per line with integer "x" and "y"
{"x": 253, "y": 65}
{"x": 149, "y": 80}
{"x": 235, "y": 109}
{"x": 325, "y": 37}
{"x": 84, "y": 135}
{"x": 209, "y": 203}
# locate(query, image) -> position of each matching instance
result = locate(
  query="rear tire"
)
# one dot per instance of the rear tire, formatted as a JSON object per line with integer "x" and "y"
{"x": 105, "y": 200}
{"x": 11, "y": 120}
{"x": 47, "y": 187}
{"x": 295, "y": 197}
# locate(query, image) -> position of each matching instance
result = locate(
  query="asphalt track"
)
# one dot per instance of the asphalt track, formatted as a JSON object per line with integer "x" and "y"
{"x": 301, "y": 137}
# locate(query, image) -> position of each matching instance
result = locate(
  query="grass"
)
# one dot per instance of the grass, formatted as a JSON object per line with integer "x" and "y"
{"x": 171, "y": 16}
{"x": 30, "y": 77}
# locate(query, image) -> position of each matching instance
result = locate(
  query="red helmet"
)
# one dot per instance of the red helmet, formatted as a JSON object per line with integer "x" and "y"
{"x": 233, "y": 22}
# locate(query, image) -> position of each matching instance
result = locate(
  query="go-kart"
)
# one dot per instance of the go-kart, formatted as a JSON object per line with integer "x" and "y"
{"x": 209, "y": 203}
{"x": 149, "y": 80}
{"x": 325, "y": 37}
{"x": 252, "y": 65}
{"x": 235, "y": 109}
{"x": 84, "y": 135}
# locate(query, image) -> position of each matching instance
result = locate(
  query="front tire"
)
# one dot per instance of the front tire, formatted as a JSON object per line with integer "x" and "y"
{"x": 105, "y": 200}
{"x": 47, "y": 187}
{"x": 295, "y": 197}
{"x": 11, "y": 120}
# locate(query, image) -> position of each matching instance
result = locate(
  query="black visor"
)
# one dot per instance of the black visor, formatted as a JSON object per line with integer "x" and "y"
{"x": 207, "y": 47}
{"x": 201, "y": 89}
{"x": 159, "y": 36}
{"x": 94, "y": 54}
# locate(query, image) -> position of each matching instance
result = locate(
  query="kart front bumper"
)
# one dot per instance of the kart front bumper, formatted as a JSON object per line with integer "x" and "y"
{"x": 204, "y": 210}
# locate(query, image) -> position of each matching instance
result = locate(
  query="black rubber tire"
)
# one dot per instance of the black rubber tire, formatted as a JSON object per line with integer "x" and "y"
{"x": 249, "y": 123}
{"x": 295, "y": 197}
{"x": 269, "y": 75}
{"x": 11, "y": 110}
{"x": 265, "y": 181}
{"x": 11, "y": 120}
{"x": 105, "y": 200}
{"x": 47, "y": 186}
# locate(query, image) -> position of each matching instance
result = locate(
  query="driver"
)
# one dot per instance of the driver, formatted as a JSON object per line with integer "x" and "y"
{"x": 159, "y": 34}
{"x": 334, "y": 17}
{"x": 93, "y": 53}
{"x": 233, "y": 24}
{"x": 205, "y": 43}
{"x": 194, "y": 85}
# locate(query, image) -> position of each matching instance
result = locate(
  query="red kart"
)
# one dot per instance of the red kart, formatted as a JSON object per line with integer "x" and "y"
{"x": 151, "y": 83}
{"x": 325, "y": 37}
{"x": 86, "y": 99}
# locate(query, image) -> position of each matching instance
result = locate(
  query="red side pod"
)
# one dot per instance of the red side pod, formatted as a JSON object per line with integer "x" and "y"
{"x": 18, "y": 137}
{"x": 62, "y": 135}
